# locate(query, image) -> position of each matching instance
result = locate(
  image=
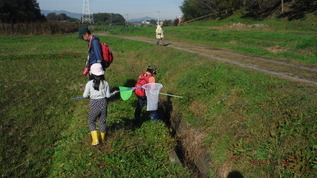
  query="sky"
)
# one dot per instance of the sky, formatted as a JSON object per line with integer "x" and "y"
{"x": 129, "y": 9}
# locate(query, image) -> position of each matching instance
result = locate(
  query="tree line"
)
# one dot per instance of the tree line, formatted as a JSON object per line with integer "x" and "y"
{"x": 109, "y": 19}
{"x": 251, "y": 8}
{"x": 98, "y": 18}
{"x": 60, "y": 17}
{"x": 24, "y": 17}
{"x": 17, "y": 11}
{"x": 28, "y": 11}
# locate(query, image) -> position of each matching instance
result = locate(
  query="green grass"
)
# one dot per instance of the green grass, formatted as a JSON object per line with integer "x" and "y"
{"x": 254, "y": 116}
{"x": 34, "y": 103}
{"x": 295, "y": 40}
{"x": 250, "y": 116}
{"x": 45, "y": 133}
{"x": 244, "y": 115}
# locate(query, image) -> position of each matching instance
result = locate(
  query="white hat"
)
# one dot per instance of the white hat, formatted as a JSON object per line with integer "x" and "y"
{"x": 96, "y": 69}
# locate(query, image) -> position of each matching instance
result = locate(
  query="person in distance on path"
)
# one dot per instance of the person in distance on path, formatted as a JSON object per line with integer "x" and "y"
{"x": 160, "y": 34}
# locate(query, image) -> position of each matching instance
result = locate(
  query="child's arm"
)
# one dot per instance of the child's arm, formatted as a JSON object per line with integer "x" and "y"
{"x": 86, "y": 92}
{"x": 151, "y": 79}
{"x": 107, "y": 91}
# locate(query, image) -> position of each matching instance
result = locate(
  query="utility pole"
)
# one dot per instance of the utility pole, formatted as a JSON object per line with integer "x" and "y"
{"x": 126, "y": 21}
{"x": 282, "y": 4}
{"x": 110, "y": 18}
{"x": 86, "y": 15}
{"x": 158, "y": 17}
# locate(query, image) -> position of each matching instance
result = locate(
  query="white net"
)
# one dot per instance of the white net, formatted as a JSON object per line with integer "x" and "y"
{"x": 152, "y": 91}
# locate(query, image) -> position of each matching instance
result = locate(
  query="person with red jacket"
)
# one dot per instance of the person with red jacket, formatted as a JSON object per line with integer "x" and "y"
{"x": 145, "y": 78}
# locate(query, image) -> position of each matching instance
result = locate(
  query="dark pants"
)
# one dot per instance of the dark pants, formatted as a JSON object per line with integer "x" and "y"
{"x": 160, "y": 41}
{"x": 140, "y": 104}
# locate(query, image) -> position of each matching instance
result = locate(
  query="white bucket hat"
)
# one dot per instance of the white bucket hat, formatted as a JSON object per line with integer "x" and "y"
{"x": 96, "y": 69}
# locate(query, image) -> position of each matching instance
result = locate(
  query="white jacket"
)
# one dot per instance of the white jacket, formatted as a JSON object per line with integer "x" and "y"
{"x": 159, "y": 32}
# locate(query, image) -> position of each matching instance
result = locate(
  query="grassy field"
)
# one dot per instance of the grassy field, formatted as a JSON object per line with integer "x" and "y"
{"x": 45, "y": 133}
{"x": 256, "y": 124}
{"x": 285, "y": 40}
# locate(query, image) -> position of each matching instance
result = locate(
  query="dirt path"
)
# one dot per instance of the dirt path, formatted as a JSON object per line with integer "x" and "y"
{"x": 290, "y": 70}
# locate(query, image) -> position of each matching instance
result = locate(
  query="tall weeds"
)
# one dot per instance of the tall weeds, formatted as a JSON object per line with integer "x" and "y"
{"x": 38, "y": 28}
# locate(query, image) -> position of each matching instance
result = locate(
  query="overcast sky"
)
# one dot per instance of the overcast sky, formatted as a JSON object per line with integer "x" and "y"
{"x": 163, "y": 9}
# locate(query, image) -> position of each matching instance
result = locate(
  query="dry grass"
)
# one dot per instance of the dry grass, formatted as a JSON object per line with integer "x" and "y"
{"x": 276, "y": 49}
{"x": 241, "y": 27}
{"x": 196, "y": 107}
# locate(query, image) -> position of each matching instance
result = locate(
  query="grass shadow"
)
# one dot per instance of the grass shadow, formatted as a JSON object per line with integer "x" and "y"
{"x": 165, "y": 109}
{"x": 129, "y": 83}
{"x": 235, "y": 174}
{"x": 126, "y": 123}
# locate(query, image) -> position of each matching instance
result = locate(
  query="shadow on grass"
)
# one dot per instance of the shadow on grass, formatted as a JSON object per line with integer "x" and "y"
{"x": 129, "y": 83}
{"x": 128, "y": 123}
{"x": 125, "y": 123}
{"x": 235, "y": 174}
{"x": 165, "y": 109}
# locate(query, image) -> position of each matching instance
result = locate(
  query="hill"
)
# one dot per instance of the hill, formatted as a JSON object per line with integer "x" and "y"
{"x": 69, "y": 14}
{"x": 141, "y": 19}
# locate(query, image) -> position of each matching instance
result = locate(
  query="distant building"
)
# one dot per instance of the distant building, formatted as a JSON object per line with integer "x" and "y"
{"x": 145, "y": 23}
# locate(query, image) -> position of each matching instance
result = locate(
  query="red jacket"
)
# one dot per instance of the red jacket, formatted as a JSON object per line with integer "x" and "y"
{"x": 145, "y": 78}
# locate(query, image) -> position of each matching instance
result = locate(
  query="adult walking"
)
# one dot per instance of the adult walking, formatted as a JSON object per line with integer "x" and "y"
{"x": 94, "y": 49}
{"x": 160, "y": 34}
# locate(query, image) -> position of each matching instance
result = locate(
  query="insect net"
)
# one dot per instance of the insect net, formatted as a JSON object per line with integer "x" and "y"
{"x": 152, "y": 91}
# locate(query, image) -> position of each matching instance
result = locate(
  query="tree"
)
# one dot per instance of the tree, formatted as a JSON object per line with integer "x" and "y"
{"x": 196, "y": 8}
{"x": 252, "y": 8}
{"x": 14, "y": 11}
{"x": 62, "y": 17}
{"x": 210, "y": 6}
{"x": 51, "y": 16}
{"x": 190, "y": 9}
{"x": 107, "y": 18}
